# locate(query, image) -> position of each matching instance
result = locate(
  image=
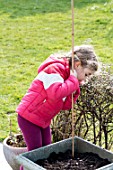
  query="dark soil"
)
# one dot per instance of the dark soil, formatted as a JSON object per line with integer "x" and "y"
{"x": 64, "y": 161}
{"x": 16, "y": 141}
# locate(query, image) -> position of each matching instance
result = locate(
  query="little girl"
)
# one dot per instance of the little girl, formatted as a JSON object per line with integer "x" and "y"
{"x": 51, "y": 91}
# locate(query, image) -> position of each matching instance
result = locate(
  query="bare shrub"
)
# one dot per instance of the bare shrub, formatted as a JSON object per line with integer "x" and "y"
{"x": 93, "y": 113}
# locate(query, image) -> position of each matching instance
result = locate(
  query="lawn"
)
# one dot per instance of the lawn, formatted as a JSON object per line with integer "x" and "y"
{"x": 31, "y": 30}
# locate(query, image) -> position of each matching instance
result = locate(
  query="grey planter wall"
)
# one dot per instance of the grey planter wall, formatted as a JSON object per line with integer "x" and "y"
{"x": 28, "y": 159}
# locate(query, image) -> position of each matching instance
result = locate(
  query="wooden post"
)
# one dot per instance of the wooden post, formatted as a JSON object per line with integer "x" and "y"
{"x": 73, "y": 134}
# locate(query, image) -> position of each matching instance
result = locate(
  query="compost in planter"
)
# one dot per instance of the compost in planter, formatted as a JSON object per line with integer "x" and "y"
{"x": 64, "y": 161}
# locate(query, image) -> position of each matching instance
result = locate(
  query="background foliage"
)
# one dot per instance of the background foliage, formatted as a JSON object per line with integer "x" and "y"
{"x": 93, "y": 113}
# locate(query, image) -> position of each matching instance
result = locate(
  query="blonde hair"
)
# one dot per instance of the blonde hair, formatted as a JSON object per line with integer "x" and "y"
{"x": 86, "y": 55}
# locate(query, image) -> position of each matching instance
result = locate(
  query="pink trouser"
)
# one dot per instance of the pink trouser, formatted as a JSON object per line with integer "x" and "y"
{"x": 34, "y": 135}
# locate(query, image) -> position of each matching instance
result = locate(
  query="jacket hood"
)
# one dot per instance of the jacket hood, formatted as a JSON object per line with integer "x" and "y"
{"x": 52, "y": 59}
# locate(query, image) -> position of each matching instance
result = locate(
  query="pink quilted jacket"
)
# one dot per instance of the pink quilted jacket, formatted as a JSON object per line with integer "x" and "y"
{"x": 49, "y": 93}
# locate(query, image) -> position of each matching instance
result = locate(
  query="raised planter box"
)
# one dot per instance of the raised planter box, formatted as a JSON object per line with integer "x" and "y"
{"x": 28, "y": 159}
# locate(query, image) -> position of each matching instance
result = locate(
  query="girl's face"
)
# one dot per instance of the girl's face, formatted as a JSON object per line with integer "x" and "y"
{"x": 83, "y": 73}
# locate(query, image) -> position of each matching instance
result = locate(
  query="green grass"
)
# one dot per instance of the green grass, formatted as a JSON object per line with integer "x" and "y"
{"x": 31, "y": 30}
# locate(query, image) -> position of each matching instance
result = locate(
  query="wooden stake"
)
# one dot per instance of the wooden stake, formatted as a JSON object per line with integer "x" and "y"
{"x": 73, "y": 134}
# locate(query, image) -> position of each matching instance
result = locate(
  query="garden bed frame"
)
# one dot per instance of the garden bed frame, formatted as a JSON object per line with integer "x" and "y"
{"x": 28, "y": 159}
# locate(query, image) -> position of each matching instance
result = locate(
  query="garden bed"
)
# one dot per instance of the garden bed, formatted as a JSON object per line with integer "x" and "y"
{"x": 29, "y": 159}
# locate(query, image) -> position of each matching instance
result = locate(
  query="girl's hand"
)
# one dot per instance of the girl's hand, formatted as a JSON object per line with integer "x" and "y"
{"x": 82, "y": 82}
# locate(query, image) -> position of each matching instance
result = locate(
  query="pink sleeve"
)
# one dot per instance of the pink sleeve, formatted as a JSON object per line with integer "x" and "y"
{"x": 60, "y": 90}
{"x": 68, "y": 102}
